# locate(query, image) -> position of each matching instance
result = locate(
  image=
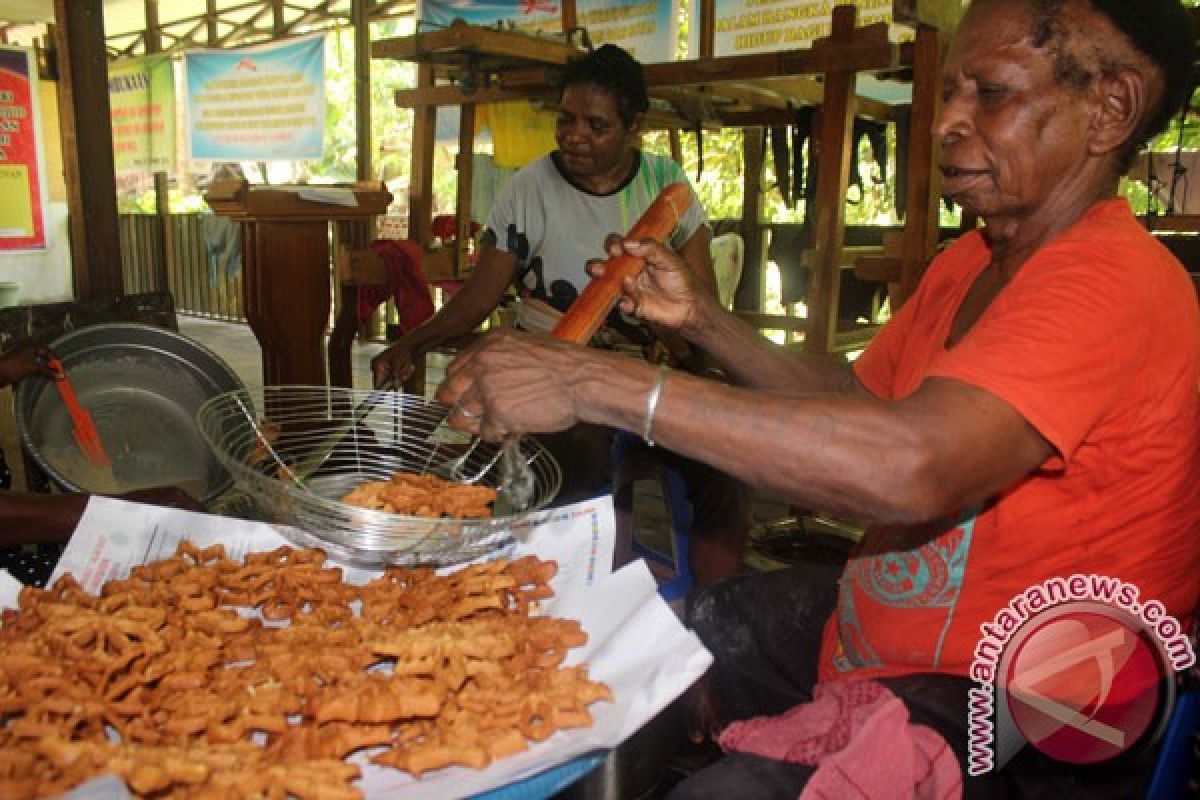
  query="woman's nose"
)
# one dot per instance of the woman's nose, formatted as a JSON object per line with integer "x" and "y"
{"x": 953, "y": 120}
{"x": 570, "y": 132}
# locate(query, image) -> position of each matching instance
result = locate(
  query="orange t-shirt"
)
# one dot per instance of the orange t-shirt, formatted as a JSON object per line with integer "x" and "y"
{"x": 1096, "y": 343}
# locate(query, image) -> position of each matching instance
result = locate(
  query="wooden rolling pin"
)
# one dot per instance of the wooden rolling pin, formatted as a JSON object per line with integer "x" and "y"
{"x": 588, "y": 312}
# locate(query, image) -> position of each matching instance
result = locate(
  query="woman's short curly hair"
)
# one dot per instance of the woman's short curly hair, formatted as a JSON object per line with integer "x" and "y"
{"x": 615, "y": 71}
{"x": 1161, "y": 30}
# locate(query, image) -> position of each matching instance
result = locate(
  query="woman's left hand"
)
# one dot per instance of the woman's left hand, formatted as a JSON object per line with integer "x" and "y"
{"x": 25, "y": 360}
{"x": 509, "y": 382}
{"x": 665, "y": 291}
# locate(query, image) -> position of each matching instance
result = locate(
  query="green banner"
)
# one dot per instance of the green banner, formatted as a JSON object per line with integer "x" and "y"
{"x": 141, "y": 93}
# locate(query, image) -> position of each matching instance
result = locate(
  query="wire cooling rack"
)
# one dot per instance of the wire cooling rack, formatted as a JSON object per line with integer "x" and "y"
{"x": 298, "y": 449}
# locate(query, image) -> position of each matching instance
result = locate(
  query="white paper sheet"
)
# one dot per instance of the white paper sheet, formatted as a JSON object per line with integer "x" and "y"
{"x": 636, "y": 644}
{"x": 330, "y": 195}
{"x": 10, "y": 587}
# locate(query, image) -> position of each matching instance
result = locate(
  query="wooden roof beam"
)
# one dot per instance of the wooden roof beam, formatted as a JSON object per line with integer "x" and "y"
{"x": 460, "y": 38}
{"x": 868, "y": 50}
{"x": 452, "y": 95}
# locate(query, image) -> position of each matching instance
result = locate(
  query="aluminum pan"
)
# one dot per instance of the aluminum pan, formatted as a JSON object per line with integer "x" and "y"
{"x": 143, "y": 386}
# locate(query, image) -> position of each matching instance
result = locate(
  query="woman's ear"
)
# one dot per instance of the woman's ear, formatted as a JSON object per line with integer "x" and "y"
{"x": 1121, "y": 106}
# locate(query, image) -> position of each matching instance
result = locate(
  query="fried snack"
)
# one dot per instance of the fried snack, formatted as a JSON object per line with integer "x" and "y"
{"x": 266, "y": 434}
{"x": 169, "y": 681}
{"x": 423, "y": 496}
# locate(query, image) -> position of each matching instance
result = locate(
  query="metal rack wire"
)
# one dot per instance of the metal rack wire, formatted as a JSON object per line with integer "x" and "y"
{"x": 298, "y": 449}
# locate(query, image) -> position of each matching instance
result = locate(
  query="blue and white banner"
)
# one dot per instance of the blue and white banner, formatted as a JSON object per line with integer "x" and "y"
{"x": 257, "y": 103}
{"x": 646, "y": 28}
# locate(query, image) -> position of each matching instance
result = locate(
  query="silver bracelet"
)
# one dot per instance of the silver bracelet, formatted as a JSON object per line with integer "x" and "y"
{"x": 652, "y": 403}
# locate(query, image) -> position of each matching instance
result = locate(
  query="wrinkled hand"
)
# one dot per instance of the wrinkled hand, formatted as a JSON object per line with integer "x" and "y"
{"x": 509, "y": 382}
{"x": 393, "y": 366}
{"x": 169, "y": 496}
{"x": 665, "y": 291}
{"x": 25, "y": 360}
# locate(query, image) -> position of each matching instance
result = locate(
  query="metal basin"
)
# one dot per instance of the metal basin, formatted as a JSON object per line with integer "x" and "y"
{"x": 143, "y": 386}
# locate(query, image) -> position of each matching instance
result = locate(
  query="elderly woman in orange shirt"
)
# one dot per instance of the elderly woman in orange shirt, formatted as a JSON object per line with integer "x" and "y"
{"x": 1030, "y": 415}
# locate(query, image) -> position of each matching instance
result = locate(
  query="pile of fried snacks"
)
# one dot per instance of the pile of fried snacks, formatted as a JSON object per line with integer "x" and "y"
{"x": 423, "y": 496}
{"x": 163, "y": 682}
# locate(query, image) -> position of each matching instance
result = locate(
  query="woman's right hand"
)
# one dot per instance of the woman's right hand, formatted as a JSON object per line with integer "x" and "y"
{"x": 393, "y": 366}
{"x": 665, "y": 291}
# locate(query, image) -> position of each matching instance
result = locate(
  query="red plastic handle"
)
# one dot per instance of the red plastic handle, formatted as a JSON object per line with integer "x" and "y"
{"x": 85, "y": 429}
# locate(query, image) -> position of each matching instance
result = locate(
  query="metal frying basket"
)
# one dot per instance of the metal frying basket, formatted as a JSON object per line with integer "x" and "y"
{"x": 299, "y": 449}
{"x": 143, "y": 385}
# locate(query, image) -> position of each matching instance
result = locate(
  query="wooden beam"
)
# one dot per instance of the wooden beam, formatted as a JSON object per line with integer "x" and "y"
{"x": 210, "y": 22}
{"x": 885, "y": 269}
{"x": 773, "y": 322}
{"x": 362, "y": 89}
{"x": 452, "y": 95}
{"x": 162, "y": 196}
{"x": 708, "y": 28}
{"x": 460, "y": 41}
{"x": 834, "y": 154}
{"x": 749, "y": 292}
{"x": 785, "y": 92}
{"x": 88, "y": 149}
{"x": 466, "y": 168}
{"x": 420, "y": 186}
{"x": 924, "y": 180}
{"x": 856, "y": 338}
{"x": 867, "y": 49}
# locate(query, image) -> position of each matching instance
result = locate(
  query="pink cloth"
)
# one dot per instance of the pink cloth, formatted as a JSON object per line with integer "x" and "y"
{"x": 857, "y": 735}
{"x": 406, "y": 284}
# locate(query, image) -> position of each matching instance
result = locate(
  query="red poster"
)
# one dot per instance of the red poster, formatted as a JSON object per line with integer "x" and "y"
{"x": 21, "y": 194}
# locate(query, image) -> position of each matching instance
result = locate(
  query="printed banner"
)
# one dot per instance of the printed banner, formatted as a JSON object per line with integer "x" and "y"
{"x": 646, "y": 28}
{"x": 22, "y": 169}
{"x": 257, "y": 103}
{"x": 759, "y": 26}
{"x": 141, "y": 94}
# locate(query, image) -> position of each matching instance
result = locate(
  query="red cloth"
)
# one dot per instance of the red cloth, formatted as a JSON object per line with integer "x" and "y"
{"x": 857, "y": 735}
{"x": 1095, "y": 342}
{"x": 406, "y": 284}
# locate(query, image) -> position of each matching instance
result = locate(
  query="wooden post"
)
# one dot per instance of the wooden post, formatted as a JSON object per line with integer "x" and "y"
{"x": 749, "y": 292}
{"x": 708, "y": 27}
{"x": 466, "y": 168}
{"x": 362, "y": 88}
{"x": 833, "y": 154}
{"x": 569, "y": 19}
{"x": 420, "y": 193}
{"x": 924, "y": 180}
{"x": 88, "y": 149}
{"x": 211, "y": 29}
{"x": 420, "y": 180}
{"x": 162, "y": 198}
